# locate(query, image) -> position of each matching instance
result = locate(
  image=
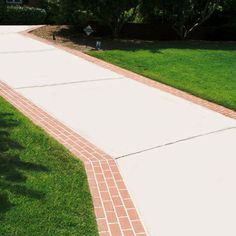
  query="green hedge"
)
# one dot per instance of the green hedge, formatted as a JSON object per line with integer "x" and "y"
{"x": 227, "y": 32}
{"x": 20, "y": 15}
{"x": 2, "y": 9}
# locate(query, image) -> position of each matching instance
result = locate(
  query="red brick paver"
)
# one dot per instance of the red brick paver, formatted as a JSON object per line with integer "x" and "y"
{"x": 114, "y": 209}
{"x": 210, "y": 105}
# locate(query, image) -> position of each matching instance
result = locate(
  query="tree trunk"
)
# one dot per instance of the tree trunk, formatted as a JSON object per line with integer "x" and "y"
{"x": 180, "y": 26}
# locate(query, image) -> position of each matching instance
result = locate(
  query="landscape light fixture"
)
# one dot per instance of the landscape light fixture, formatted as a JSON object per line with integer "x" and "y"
{"x": 98, "y": 45}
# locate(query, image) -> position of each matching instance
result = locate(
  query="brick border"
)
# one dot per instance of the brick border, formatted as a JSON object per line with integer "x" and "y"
{"x": 115, "y": 212}
{"x": 154, "y": 84}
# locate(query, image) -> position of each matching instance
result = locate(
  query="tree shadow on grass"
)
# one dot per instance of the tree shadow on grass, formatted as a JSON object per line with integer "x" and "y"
{"x": 12, "y": 167}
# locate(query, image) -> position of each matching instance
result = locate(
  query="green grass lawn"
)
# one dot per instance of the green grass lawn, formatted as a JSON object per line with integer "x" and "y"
{"x": 207, "y": 70}
{"x": 43, "y": 188}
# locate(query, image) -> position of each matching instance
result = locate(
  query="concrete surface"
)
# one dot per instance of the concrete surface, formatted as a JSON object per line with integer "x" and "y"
{"x": 184, "y": 185}
{"x": 187, "y": 188}
{"x": 6, "y": 29}
{"x": 123, "y": 116}
{"x": 26, "y": 62}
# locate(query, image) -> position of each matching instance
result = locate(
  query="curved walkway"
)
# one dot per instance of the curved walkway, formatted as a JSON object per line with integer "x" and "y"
{"x": 174, "y": 151}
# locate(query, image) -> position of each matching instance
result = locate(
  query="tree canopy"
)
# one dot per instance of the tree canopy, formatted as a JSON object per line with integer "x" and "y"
{"x": 114, "y": 13}
{"x": 184, "y": 15}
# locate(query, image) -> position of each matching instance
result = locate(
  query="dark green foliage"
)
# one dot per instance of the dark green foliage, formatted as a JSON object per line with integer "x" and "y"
{"x": 229, "y": 5}
{"x": 52, "y": 8}
{"x": 18, "y": 15}
{"x": 66, "y": 12}
{"x": 113, "y": 13}
{"x": 225, "y": 32}
{"x": 25, "y": 1}
{"x": 109, "y": 12}
{"x": 2, "y": 9}
{"x": 69, "y": 9}
{"x": 150, "y": 11}
{"x": 184, "y": 15}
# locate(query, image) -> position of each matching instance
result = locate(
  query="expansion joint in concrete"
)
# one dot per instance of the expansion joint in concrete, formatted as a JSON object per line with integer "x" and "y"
{"x": 68, "y": 83}
{"x": 175, "y": 142}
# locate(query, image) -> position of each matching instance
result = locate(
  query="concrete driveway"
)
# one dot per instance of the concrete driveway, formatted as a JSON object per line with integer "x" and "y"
{"x": 177, "y": 158}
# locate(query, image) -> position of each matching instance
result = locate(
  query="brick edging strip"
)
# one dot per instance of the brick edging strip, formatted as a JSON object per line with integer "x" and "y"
{"x": 166, "y": 88}
{"x": 115, "y": 212}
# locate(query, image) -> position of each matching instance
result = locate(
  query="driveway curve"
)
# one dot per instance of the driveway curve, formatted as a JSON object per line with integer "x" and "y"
{"x": 178, "y": 159}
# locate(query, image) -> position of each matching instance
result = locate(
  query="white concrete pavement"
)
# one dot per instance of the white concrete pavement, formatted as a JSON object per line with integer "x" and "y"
{"x": 177, "y": 158}
{"x": 187, "y": 188}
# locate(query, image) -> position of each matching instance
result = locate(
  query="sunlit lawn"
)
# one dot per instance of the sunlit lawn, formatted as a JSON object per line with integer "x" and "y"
{"x": 205, "y": 69}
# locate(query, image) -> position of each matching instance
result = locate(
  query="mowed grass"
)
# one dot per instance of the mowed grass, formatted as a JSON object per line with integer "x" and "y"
{"x": 204, "y": 69}
{"x": 43, "y": 188}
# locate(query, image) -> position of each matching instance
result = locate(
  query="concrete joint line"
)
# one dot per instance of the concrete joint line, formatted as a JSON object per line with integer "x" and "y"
{"x": 68, "y": 83}
{"x": 175, "y": 142}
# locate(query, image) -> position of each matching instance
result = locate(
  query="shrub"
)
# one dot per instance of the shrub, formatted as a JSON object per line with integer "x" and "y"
{"x": 113, "y": 13}
{"x": 18, "y": 15}
{"x": 52, "y": 8}
{"x": 83, "y": 18}
{"x": 2, "y": 9}
{"x": 226, "y": 32}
